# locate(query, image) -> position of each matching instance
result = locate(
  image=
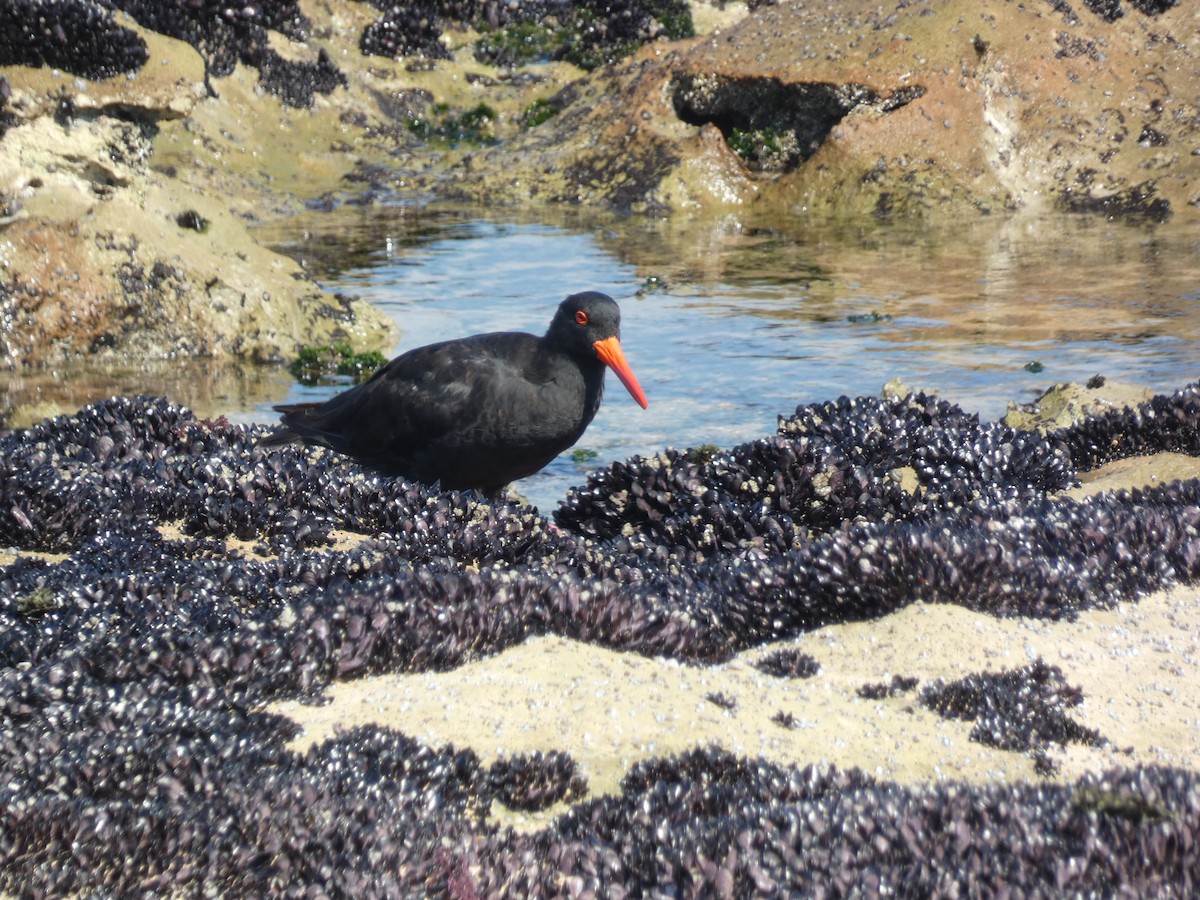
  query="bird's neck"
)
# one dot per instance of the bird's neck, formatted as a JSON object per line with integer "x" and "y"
{"x": 550, "y": 366}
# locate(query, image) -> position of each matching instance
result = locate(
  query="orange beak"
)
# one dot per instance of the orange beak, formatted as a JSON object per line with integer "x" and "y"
{"x": 610, "y": 353}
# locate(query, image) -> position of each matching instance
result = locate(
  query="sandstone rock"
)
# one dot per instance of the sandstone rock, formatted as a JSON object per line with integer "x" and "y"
{"x": 103, "y": 254}
{"x": 852, "y": 108}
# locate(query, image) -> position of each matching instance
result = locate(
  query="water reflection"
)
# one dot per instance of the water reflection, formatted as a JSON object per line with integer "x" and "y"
{"x": 239, "y": 392}
{"x": 728, "y": 326}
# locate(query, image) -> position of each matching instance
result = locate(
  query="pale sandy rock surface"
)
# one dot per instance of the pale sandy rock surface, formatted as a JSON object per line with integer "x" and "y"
{"x": 1136, "y": 664}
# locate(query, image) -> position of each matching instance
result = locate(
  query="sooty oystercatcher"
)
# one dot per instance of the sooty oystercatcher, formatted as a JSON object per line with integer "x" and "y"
{"x": 478, "y": 412}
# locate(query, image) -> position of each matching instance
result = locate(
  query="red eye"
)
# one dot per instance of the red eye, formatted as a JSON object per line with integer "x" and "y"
{"x": 581, "y": 317}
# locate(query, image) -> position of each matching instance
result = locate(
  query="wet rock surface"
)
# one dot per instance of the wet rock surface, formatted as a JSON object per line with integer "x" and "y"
{"x": 859, "y": 109}
{"x": 195, "y": 577}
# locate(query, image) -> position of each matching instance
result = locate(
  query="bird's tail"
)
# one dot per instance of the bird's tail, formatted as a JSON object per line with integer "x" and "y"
{"x": 301, "y": 421}
{"x": 293, "y": 428}
{"x": 278, "y": 437}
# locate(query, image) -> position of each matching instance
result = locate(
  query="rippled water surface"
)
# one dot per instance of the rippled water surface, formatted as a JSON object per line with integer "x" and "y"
{"x": 728, "y": 327}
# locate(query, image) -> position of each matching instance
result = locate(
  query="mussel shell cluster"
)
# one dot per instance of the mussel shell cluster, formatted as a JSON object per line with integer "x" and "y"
{"x": 407, "y": 29}
{"x": 76, "y": 36}
{"x": 600, "y": 30}
{"x": 788, "y": 663}
{"x": 880, "y": 690}
{"x": 1017, "y": 709}
{"x": 82, "y": 37}
{"x": 830, "y": 464}
{"x": 225, "y": 31}
{"x": 535, "y": 781}
{"x": 192, "y": 577}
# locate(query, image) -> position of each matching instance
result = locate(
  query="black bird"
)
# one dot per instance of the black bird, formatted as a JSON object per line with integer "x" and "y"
{"x": 478, "y": 412}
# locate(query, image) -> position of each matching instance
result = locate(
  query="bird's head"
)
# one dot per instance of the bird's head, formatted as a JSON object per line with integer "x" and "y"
{"x": 590, "y": 324}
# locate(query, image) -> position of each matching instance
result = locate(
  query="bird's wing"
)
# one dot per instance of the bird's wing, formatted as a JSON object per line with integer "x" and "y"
{"x": 418, "y": 399}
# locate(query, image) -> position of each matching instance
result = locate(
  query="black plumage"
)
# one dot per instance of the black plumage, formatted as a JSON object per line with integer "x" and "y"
{"x": 478, "y": 412}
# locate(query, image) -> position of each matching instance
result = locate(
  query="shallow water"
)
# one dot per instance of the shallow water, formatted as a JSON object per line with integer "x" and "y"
{"x": 728, "y": 327}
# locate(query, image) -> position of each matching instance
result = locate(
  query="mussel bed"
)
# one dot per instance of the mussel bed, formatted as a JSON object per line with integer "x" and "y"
{"x": 171, "y": 578}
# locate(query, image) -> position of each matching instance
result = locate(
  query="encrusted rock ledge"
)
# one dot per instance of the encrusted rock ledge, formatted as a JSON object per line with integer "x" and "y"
{"x": 105, "y": 253}
{"x": 930, "y": 108}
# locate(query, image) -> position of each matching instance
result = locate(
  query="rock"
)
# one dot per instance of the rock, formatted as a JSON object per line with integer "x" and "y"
{"x": 131, "y": 196}
{"x": 1065, "y": 404}
{"x": 1139, "y": 472}
{"x": 106, "y": 253}
{"x": 168, "y": 87}
{"x": 853, "y": 109}
{"x": 99, "y": 264}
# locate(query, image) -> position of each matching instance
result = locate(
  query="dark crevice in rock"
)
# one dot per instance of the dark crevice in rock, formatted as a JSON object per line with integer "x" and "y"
{"x": 772, "y": 126}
